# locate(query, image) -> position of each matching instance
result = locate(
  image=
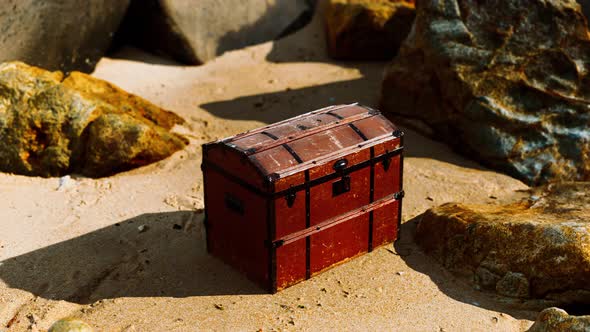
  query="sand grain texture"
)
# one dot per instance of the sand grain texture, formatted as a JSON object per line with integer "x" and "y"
{"x": 127, "y": 253}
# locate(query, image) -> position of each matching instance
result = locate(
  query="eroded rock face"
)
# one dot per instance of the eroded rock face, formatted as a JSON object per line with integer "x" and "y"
{"x": 58, "y": 35}
{"x": 367, "y": 29}
{"x": 506, "y": 82}
{"x": 557, "y": 320}
{"x": 196, "y": 32}
{"x": 537, "y": 248}
{"x": 52, "y": 125}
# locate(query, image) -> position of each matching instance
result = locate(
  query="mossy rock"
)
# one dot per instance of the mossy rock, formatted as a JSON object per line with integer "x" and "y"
{"x": 52, "y": 124}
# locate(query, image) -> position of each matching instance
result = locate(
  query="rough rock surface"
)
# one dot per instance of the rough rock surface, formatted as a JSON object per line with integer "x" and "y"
{"x": 51, "y": 125}
{"x": 557, "y": 320}
{"x": 195, "y": 33}
{"x": 70, "y": 325}
{"x": 367, "y": 29}
{"x": 66, "y": 35}
{"x": 507, "y": 82}
{"x": 537, "y": 248}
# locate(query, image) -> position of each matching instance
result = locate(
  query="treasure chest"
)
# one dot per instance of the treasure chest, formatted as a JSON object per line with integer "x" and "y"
{"x": 287, "y": 201}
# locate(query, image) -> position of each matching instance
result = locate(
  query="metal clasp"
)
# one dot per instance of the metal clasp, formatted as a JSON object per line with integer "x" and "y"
{"x": 291, "y": 195}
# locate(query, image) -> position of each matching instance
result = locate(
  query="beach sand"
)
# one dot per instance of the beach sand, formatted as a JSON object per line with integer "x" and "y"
{"x": 127, "y": 252}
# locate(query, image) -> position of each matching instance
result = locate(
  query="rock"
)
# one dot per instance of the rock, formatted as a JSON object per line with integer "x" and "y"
{"x": 506, "y": 82}
{"x": 513, "y": 285}
{"x": 585, "y": 8}
{"x": 367, "y": 29}
{"x": 66, "y": 35}
{"x": 557, "y": 320}
{"x": 70, "y": 325}
{"x": 51, "y": 125}
{"x": 194, "y": 34}
{"x": 536, "y": 248}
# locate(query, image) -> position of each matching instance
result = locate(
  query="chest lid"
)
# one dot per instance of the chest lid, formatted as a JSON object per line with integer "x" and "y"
{"x": 302, "y": 142}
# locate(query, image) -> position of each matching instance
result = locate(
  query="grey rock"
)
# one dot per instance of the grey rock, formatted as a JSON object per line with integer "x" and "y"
{"x": 58, "y": 35}
{"x": 506, "y": 82}
{"x": 195, "y": 32}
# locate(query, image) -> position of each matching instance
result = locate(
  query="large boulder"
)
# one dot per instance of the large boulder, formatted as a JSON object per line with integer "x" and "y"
{"x": 66, "y": 35}
{"x": 367, "y": 29}
{"x": 52, "y": 124}
{"x": 557, "y": 320}
{"x": 195, "y": 32}
{"x": 538, "y": 248}
{"x": 507, "y": 82}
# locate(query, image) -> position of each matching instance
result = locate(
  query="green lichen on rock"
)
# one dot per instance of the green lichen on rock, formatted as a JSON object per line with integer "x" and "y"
{"x": 538, "y": 248}
{"x": 51, "y": 125}
{"x": 367, "y": 29}
{"x": 70, "y": 325}
{"x": 558, "y": 320}
{"x": 506, "y": 82}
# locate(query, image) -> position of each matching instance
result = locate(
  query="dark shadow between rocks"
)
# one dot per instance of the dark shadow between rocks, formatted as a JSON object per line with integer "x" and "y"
{"x": 453, "y": 285}
{"x": 151, "y": 255}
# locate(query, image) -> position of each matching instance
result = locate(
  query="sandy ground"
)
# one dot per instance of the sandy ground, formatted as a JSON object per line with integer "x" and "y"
{"x": 126, "y": 253}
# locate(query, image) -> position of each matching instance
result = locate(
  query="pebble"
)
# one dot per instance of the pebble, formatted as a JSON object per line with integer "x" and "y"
{"x": 142, "y": 228}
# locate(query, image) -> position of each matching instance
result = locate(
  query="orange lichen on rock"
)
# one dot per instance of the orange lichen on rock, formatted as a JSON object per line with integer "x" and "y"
{"x": 367, "y": 29}
{"x": 537, "y": 248}
{"x": 53, "y": 125}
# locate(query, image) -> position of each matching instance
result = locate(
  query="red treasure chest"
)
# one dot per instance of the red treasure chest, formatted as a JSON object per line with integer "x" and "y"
{"x": 292, "y": 199}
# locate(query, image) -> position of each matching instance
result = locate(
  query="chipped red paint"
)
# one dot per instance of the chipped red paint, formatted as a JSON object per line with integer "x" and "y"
{"x": 292, "y": 199}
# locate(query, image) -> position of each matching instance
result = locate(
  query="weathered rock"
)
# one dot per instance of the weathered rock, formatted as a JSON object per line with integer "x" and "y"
{"x": 585, "y": 8}
{"x": 51, "y": 125}
{"x": 367, "y": 29}
{"x": 537, "y": 248}
{"x": 70, "y": 325}
{"x": 195, "y": 33}
{"x": 507, "y": 82}
{"x": 557, "y": 320}
{"x": 66, "y": 35}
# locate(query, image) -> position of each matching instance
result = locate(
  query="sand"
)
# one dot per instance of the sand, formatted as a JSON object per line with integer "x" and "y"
{"x": 126, "y": 253}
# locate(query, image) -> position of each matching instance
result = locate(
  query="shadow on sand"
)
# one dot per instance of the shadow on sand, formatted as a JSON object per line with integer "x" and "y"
{"x": 159, "y": 254}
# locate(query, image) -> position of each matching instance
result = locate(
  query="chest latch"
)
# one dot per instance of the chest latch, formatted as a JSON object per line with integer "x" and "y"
{"x": 291, "y": 195}
{"x": 343, "y": 185}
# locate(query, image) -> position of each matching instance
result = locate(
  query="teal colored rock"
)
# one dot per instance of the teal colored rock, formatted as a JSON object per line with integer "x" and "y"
{"x": 505, "y": 82}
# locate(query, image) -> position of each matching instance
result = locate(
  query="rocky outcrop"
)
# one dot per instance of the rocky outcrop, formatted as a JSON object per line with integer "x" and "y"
{"x": 58, "y": 35}
{"x": 367, "y": 29}
{"x": 557, "y": 320}
{"x": 195, "y": 33}
{"x": 507, "y": 82}
{"x": 52, "y": 124}
{"x": 537, "y": 248}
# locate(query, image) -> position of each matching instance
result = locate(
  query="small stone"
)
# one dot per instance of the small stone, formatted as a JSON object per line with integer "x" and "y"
{"x": 400, "y": 273}
{"x": 70, "y": 325}
{"x": 429, "y": 198}
{"x": 142, "y": 228}
{"x": 513, "y": 285}
{"x": 219, "y": 306}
